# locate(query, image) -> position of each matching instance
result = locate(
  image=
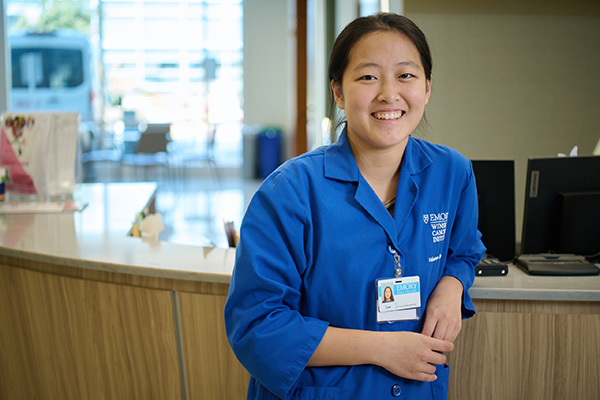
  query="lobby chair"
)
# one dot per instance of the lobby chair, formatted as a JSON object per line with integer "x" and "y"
{"x": 99, "y": 165}
{"x": 188, "y": 155}
{"x": 150, "y": 152}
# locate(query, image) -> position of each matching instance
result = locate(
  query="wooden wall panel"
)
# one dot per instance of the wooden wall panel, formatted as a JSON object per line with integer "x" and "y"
{"x": 67, "y": 338}
{"x": 212, "y": 370}
{"x": 527, "y": 355}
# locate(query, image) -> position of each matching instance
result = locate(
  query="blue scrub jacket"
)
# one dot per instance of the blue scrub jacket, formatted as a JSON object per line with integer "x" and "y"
{"x": 312, "y": 244}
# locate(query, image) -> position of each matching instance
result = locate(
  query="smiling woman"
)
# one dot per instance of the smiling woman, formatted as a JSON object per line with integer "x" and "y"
{"x": 353, "y": 221}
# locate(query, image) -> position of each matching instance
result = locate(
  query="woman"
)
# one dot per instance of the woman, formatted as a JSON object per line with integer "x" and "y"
{"x": 387, "y": 295}
{"x": 328, "y": 227}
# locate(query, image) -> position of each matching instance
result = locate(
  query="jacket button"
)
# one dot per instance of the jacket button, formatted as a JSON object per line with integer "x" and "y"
{"x": 396, "y": 390}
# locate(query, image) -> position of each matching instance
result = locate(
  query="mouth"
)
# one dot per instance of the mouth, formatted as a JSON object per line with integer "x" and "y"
{"x": 387, "y": 116}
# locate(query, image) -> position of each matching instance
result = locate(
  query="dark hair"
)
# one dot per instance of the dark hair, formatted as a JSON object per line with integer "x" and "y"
{"x": 355, "y": 31}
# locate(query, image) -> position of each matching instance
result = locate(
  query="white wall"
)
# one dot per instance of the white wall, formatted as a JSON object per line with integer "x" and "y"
{"x": 269, "y": 65}
{"x": 514, "y": 86}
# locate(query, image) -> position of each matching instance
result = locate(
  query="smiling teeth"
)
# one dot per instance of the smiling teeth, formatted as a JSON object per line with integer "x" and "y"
{"x": 395, "y": 115}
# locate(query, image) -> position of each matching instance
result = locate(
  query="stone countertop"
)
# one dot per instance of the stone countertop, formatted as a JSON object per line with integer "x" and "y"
{"x": 518, "y": 285}
{"x": 97, "y": 238}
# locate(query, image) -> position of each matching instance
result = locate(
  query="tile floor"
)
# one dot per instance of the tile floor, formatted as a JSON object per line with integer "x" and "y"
{"x": 194, "y": 210}
{"x": 194, "y": 203}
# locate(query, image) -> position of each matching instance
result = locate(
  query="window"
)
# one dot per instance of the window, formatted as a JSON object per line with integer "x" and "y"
{"x": 178, "y": 62}
{"x": 46, "y": 68}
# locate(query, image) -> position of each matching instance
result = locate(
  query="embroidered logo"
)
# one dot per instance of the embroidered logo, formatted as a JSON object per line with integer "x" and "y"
{"x": 434, "y": 259}
{"x": 438, "y": 223}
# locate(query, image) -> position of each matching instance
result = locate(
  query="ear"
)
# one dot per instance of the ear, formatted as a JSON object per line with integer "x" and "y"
{"x": 428, "y": 90}
{"x": 338, "y": 96}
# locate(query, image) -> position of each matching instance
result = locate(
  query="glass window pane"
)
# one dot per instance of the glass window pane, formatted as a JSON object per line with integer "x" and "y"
{"x": 46, "y": 68}
{"x": 160, "y": 59}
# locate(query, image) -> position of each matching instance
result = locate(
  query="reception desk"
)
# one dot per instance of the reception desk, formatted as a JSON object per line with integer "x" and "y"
{"x": 533, "y": 337}
{"x": 88, "y": 312}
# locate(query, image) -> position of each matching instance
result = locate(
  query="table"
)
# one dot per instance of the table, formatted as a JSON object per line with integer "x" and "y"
{"x": 88, "y": 312}
{"x": 533, "y": 337}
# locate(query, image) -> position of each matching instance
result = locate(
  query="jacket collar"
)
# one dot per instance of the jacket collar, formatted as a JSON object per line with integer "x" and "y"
{"x": 341, "y": 165}
{"x": 339, "y": 161}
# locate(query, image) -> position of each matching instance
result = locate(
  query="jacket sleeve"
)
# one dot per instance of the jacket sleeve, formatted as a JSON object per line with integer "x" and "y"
{"x": 265, "y": 329}
{"x": 466, "y": 248}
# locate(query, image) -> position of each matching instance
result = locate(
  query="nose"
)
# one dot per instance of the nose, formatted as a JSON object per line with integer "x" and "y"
{"x": 388, "y": 92}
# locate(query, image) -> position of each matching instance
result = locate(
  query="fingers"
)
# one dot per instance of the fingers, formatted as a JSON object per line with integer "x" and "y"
{"x": 447, "y": 331}
{"x": 412, "y": 355}
{"x": 428, "y": 327}
{"x": 442, "y": 346}
{"x": 434, "y": 355}
{"x": 438, "y": 359}
{"x": 425, "y": 377}
{"x": 425, "y": 370}
{"x": 443, "y": 332}
{"x": 443, "y": 313}
{"x": 440, "y": 331}
{"x": 444, "y": 329}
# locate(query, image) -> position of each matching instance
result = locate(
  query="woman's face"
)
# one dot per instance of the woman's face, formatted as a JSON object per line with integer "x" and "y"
{"x": 383, "y": 91}
{"x": 387, "y": 293}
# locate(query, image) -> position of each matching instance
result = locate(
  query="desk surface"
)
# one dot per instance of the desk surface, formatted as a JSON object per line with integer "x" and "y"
{"x": 96, "y": 238}
{"x": 518, "y": 285}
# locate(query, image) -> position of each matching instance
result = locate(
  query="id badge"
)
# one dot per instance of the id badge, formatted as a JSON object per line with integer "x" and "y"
{"x": 398, "y": 299}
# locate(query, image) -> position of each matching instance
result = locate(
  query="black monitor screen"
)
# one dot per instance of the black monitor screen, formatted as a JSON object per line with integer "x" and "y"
{"x": 496, "y": 197}
{"x": 562, "y": 206}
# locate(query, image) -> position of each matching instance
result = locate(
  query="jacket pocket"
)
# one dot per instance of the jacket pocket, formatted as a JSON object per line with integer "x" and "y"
{"x": 440, "y": 385}
{"x": 318, "y": 393}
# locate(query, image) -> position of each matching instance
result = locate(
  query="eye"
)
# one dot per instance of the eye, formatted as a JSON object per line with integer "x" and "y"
{"x": 367, "y": 78}
{"x": 406, "y": 76}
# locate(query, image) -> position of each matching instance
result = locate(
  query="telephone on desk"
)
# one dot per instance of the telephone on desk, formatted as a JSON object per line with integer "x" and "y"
{"x": 556, "y": 265}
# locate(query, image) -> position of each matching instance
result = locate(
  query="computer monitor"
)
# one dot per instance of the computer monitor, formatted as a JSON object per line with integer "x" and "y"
{"x": 496, "y": 197}
{"x": 562, "y": 206}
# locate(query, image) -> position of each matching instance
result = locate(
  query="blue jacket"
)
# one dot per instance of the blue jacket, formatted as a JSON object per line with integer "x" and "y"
{"x": 312, "y": 244}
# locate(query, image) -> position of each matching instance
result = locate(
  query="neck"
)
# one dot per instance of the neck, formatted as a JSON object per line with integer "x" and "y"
{"x": 380, "y": 168}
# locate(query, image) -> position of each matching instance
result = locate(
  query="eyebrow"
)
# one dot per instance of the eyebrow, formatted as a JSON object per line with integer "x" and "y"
{"x": 372, "y": 64}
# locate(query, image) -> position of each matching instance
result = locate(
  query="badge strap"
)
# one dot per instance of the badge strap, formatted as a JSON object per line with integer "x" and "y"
{"x": 397, "y": 264}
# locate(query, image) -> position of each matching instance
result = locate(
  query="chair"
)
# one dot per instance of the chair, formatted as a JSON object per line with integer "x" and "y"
{"x": 131, "y": 134}
{"x": 150, "y": 151}
{"x": 192, "y": 154}
{"x": 98, "y": 165}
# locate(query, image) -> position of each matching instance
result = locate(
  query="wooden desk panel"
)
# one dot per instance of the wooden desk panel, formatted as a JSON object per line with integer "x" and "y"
{"x": 212, "y": 371}
{"x": 63, "y": 337}
{"x": 79, "y": 333}
{"x": 528, "y": 350}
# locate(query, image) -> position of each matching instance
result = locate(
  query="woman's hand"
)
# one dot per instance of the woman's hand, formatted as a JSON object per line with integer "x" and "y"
{"x": 412, "y": 355}
{"x": 443, "y": 317}
{"x": 407, "y": 354}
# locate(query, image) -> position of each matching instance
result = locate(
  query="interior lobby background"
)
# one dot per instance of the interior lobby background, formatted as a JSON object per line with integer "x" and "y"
{"x": 512, "y": 79}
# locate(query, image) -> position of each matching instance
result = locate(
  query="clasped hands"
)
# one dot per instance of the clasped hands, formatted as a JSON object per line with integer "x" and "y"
{"x": 415, "y": 355}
